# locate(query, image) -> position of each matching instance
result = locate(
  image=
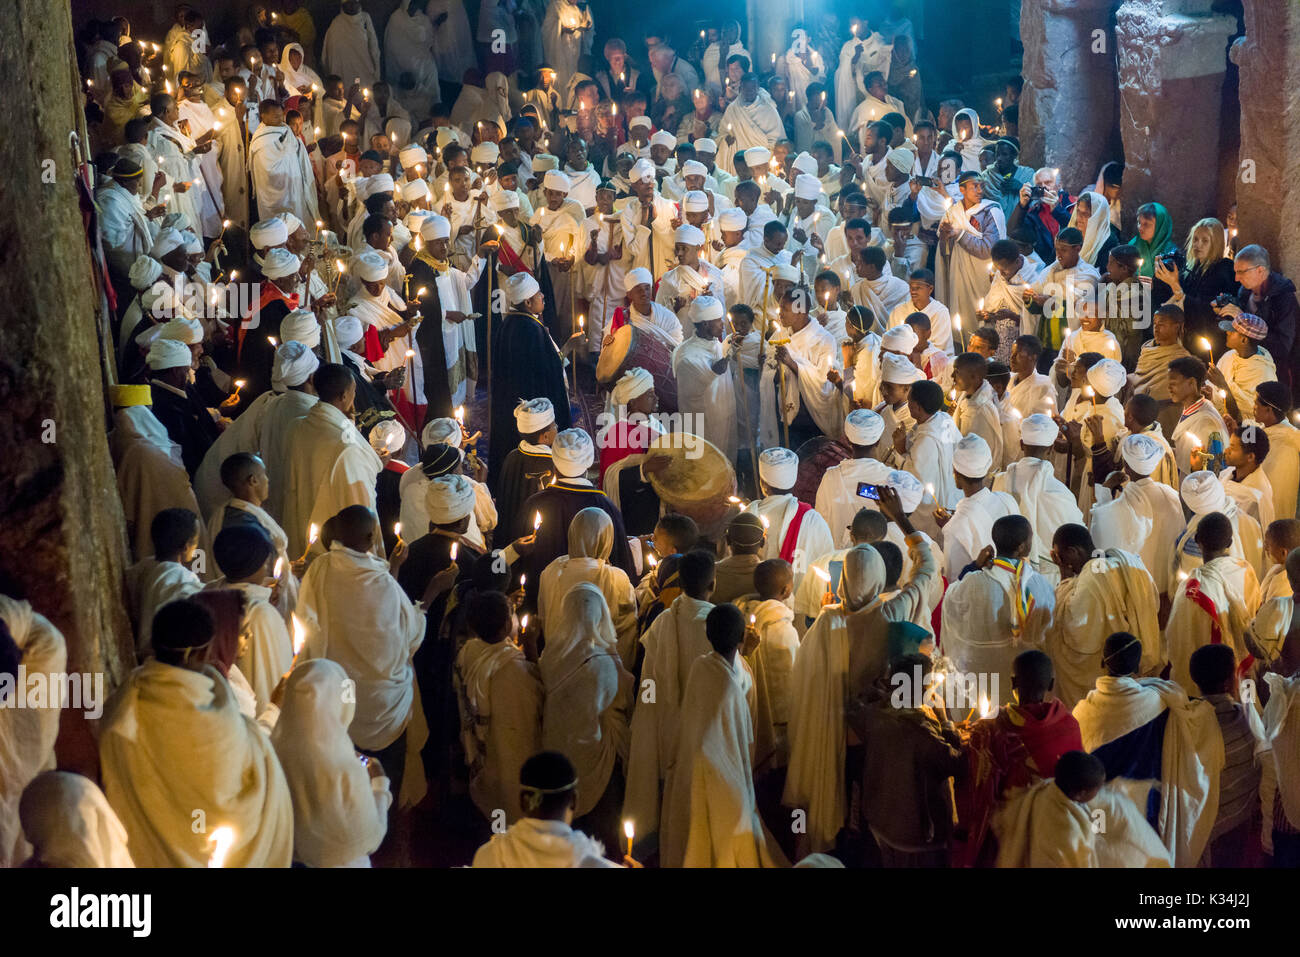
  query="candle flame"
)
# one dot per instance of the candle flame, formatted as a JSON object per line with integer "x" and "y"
{"x": 299, "y": 634}
{"x": 313, "y": 533}
{"x": 279, "y": 567}
{"x": 221, "y": 840}
{"x": 986, "y": 707}
{"x": 1204, "y": 343}
{"x": 651, "y": 560}
{"x": 455, "y": 547}
{"x": 537, "y": 520}
{"x": 822, "y": 573}
{"x": 628, "y": 830}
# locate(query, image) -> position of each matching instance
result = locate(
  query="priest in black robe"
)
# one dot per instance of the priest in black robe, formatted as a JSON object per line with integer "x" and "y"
{"x": 527, "y": 470}
{"x": 429, "y": 263}
{"x": 371, "y": 402}
{"x": 259, "y": 333}
{"x": 188, "y": 423}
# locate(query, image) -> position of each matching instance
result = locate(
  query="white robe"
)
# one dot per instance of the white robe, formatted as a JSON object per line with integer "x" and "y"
{"x": 175, "y": 154}
{"x": 268, "y": 655}
{"x": 283, "y": 181}
{"x": 772, "y": 664}
{"x": 533, "y": 843}
{"x": 1232, "y": 589}
{"x": 980, "y": 415}
{"x": 815, "y": 353}
{"x": 837, "y": 494}
{"x": 408, "y": 49}
{"x": 126, "y": 232}
{"x": 150, "y": 584}
{"x": 1193, "y": 432}
{"x": 709, "y": 397}
{"x": 850, "y": 80}
{"x": 288, "y": 582}
{"x": 929, "y": 458}
{"x": 1144, "y": 520}
{"x": 755, "y": 124}
{"x": 1282, "y": 466}
{"x": 351, "y": 49}
{"x": 961, "y": 263}
{"x": 1045, "y": 501}
{"x": 561, "y": 47}
{"x": 814, "y": 539}
{"x": 971, "y": 527}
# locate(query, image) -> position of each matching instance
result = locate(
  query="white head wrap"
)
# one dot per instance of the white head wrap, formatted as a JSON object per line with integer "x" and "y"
{"x": 192, "y": 243}
{"x": 778, "y": 467}
{"x": 1204, "y": 493}
{"x": 901, "y": 159}
{"x": 664, "y": 138}
{"x": 372, "y": 266}
{"x": 642, "y": 170}
{"x": 695, "y": 202}
{"x": 486, "y": 153}
{"x": 301, "y": 326}
{"x": 291, "y": 222}
{"x": 899, "y": 370}
{"x": 533, "y": 415}
{"x": 449, "y": 498}
{"x": 971, "y": 457}
{"x": 689, "y": 235}
{"x": 279, "y": 262}
{"x": 168, "y": 240}
{"x": 504, "y": 199}
{"x": 634, "y": 382}
{"x": 786, "y": 271}
{"x": 435, "y": 227}
{"x": 1143, "y": 454}
{"x": 757, "y": 156}
{"x": 412, "y": 154}
{"x": 900, "y": 339}
{"x": 545, "y": 161}
{"x": 348, "y": 331}
{"x": 573, "y": 452}
{"x": 369, "y": 186}
{"x": 145, "y": 271}
{"x": 805, "y": 163}
{"x": 694, "y": 168}
{"x": 414, "y": 189}
{"x": 706, "y": 309}
{"x": 1107, "y": 377}
{"x": 294, "y": 364}
{"x": 168, "y": 354}
{"x": 1038, "y": 430}
{"x": 863, "y": 427}
{"x": 807, "y": 187}
{"x": 637, "y": 277}
{"x": 445, "y": 430}
{"x": 556, "y": 180}
{"x": 909, "y": 488}
{"x": 733, "y": 220}
{"x": 387, "y": 436}
{"x": 269, "y": 232}
{"x": 706, "y": 146}
{"x": 522, "y": 287}
{"x": 641, "y": 120}
{"x": 188, "y": 331}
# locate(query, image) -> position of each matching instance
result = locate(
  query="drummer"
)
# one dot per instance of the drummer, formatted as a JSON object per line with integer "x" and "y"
{"x": 838, "y": 497}
{"x": 633, "y": 402}
{"x": 795, "y": 531}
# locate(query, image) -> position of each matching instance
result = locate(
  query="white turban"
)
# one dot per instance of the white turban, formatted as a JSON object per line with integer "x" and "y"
{"x": 1142, "y": 453}
{"x": 291, "y": 222}
{"x": 387, "y": 436}
{"x": 706, "y": 309}
{"x": 642, "y": 170}
{"x": 533, "y": 415}
{"x": 637, "y": 277}
{"x": 1203, "y": 493}
{"x": 448, "y": 499}
{"x": 786, "y": 271}
{"x": 909, "y": 488}
{"x": 279, "y": 262}
{"x": 573, "y": 452}
{"x": 371, "y": 266}
{"x": 694, "y": 168}
{"x": 695, "y": 202}
{"x": 435, "y": 227}
{"x": 901, "y": 159}
{"x": 805, "y": 163}
{"x": 369, "y": 186}
{"x": 1038, "y": 430}
{"x": 414, "y": 189}
{"x": 900, "y": 339}
{"x": 293, "y": 365}
{"x": 636, "y": 121}
{"x": 168, "y": 240}
{"x": 188, "y": 331}
{"x": 192, "y": 243}
{"x": 778, "y": 467}
{"x": 522, "y": 287}
{"x": 347, "y": 331}
{"x": 863, "y": 427}
{"x": 301, "y": 326}
{"x": 446, "y": 136}
{"x": 545, "y": 161}
{"x": 415, "y": 219}
{"x": 758, "y": 156}
{"x": 807, "y": 187}
{"x": 556, "y": 180}
{"x": 412, "y": 155}
{"x": 444, "y": 430}
{"x": 486, "y": 153}
{"x": 169, "y": 354}
{"x": 504, "y": 199}
{"x": 899, "y": 370}
{"x": 1107, "y": 377}
{"x": 688, "y": 234}
{"x": 664, "y": 138}
{"x": 145, "y": 271}
{"x": 706, "y": 146}
{"x": 634, "y": 383}
{"x": 269, "y": 232}
{"x": 971, "y": 457}
{"x": 733, "y": 220}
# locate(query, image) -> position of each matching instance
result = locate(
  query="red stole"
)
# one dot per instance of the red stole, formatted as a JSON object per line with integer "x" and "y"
{"x": 1204, "y": 602}
{"x": 270, "y": 293}
{"x": 792, "y": 533}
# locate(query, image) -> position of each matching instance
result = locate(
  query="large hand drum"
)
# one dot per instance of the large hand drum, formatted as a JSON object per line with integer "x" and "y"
{"x": 698, "y": 482}
{"x": 816, "y": 456}
{"x": 633, "y": 348}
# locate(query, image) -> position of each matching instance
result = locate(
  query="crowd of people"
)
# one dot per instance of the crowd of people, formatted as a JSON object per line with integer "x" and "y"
{"x": 687, "y": 460}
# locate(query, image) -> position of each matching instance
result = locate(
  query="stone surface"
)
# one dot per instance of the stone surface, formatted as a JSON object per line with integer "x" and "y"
{"x": 1268, "y": 57}
{"x": 62, "y": 540}
{"x": 1172, "y": 56}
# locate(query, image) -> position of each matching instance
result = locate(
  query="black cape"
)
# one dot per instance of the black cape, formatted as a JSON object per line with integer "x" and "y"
{"x": 558, "y": 504}
{"x": 522, "y": 475}
{"x": 428, "y": 339}
{"x": 527, "y": 366}
{"x": 257, "y": 355}
{"x": 188, "y": 424}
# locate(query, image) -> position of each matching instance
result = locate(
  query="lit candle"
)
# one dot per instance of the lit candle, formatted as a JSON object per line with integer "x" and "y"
{"x": 279, "y": 568}
{"x": 629, "y": 832}
{"x": 455, "y": 547}
{"x": 221, "y": 840}
{"x": 272, "y": 340}
{"x": 397, "y": 531}
{"x": 460, "y": 415}
{"x": 537, "y": 521}
{"x": 299, "y": 635}
{"x": 1204, "y": 343}
{"x": 313, "y": 533}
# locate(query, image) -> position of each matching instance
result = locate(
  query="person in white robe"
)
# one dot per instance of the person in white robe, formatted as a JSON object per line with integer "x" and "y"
{"x": 795, "y": 532}
{"x": 924, "y": 448}
{"x": 351, "y": 47}
{"x": 173, "y": 739}
{"x": 409, "y": 64}
{"x": 1244, "y": 479}
{"x": 26, "y": 733}
{"x": 967, "y": 232}
{"x": 340, "y": 805}
{"x": 283, "y": 181}
{"x": 68, "y": 823}
{"x": 837, "y": 494}
{"x": 771, "y": 626}
{"x": 178, "y": 155}
{"x": 977, "y": 411}
{"x": 801, "y": 65}
{"x": 292, "y": 396}
{"x": 164, "y": 575}
{"x": 1282, "y": 464}
{"x": 867, "y": 52}
{"x": 705, "y": 388}
{"x": 796, "y": 374}
{"x": 715, "y": 56}
{"x": 201, "y": 120}
{"x": 693, "y": 276}
{"x": 126, "y": 229}
{"x": 760, "y": 271}
{"x": 1199, "y": 419}
{"x": 752, "y": 120}
{"x": 647, "y": 224}
{"x": 968, "y": 528}
{"x": 1203, "y": 494}
{"x": 567, "y": 34}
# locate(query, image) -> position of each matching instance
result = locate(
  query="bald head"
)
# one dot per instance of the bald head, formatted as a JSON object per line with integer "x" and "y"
{"x": 1031, "y": 676}
{"x": 869, "y": 525}
{"x": 356, "y": 527}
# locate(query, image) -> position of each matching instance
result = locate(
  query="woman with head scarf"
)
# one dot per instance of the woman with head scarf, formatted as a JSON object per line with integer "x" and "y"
{"x": 340, "y": 802}
{"x": 1091, "y": 216}
{"x": 588, "y": 695}
{"x": 966, "y": 138}
{"x": 299, "y": 78}
{"x": 1110, "y": 180}
{"x": 69, "y": 823}
{"x": 1155, "y": 237}
{"x": 591, "y": 539}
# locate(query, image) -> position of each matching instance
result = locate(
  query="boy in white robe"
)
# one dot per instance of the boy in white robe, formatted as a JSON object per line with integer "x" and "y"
{"x": 1042, "y": 498}
{"x": 796, "y": 376}
{"x": 871, "y": 271}
{"x": 967, "y": 233}
{"x": 837, "y": 499}
{"x": 926, "y": 449}
{"x": 977, "y": 411}
{"x": 1244, "y": 479}
{"x": 1282, "y": 464}
{"x": 771, "y": 644}
{"x": 283, "y": 181}
{"x": 968, "y": 528}
{"x": 796, "y": 532}
{"x": 705, "y": 387}
{"x": 1204, "y": 494}
{"x": 920, "y": 287}
{"x": 165, "y": 575}
{"x": 1245, "y": 364}
{"x": 1199, "y": 420}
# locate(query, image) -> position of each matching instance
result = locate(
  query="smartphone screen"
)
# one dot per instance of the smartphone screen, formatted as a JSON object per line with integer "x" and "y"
{"x": 867, "y": 490}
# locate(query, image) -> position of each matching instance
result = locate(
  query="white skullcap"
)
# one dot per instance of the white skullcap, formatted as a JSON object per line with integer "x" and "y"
{"x": 369, "y": 186}
{"x": 636, "y": 121}
{"x": 642, "y": 170}
{"x": 901, "y": 159}
{"x": 573, "y": 452}
{"x": 778, "y": 467}
{"x": 347, "y": 331}
{"x": 909, "y": 488}
{"x": 371, "y": 266}
{"x": 522, "y": 287}
{"x": 146, "y": 338}
{"x": 301, "y": 326}
{"x": 269, "y": 232}
{"x": 705, "y": 145}
{"x": 664, "y": 138}
{"x": 545, "y": 161}
{"x": 556, "y": 180}
{"x": 706, "y": 309}
{"x": 688, "y": 235}
{"x": 291, "y": 222}
{"x": 971, "y": 457}
{"x": 898, "y": 370}
{"x": 1107, "y": 377}
{"x": 387, "y": 436}
{"x": 634, "y": 382}
{"x": 863, "y": 427}
{"x": 168, "y": 354}
{"x": 435, "y": 227}
{"x": 694, "y": 168}
{"x": 168, "y": 240}
{"x": 637, "y": 277}
{"x": 695, "y": 202}
{"x": 1203, "y": 493}
{"x": 293, "y": 365}
{"x": 412, "y": 154}
{"x": 414, "y": 189}
{"x": 145, "y": 271}
{"x": 504, "y": 199}
{"x": 733, "y": 220}
{"x": 447, "y": 136}
{"x": 415, "y": 219}
{"x": 445, "y": 431}
{"x": 188, "y": 331}
{"x": 757, "y": 156}
{"x": 786, "y": 271}
{"x": 279, "y": 262}
{"x": 533, "y": 415}
{"x": 805, "y": 163}
{"x": 487, "y": 153}
{"x": 1142, "y": 453}
{"x": 900, "y": 339}
{"x": 448, "y": 499}
{"x": 807, "y": 187}
{"x": 192, "y": 243}
{"x": 1038, "y": 430}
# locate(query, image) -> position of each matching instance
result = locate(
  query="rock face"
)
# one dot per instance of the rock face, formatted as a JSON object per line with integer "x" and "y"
{"x": 62, "y": 542}
{"x": 1268, "y": 57}
{"x": 1172, "y": 56}
{"x": 1067, "y": 108}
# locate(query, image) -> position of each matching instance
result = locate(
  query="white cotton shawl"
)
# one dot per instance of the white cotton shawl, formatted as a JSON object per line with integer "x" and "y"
{"x": 69, "y": 823}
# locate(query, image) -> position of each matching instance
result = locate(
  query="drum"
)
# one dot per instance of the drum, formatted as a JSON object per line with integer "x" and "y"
{"x": 633, "y": 348}
{"x": 699, "y": 481}
{"x": 815, "y": 457}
